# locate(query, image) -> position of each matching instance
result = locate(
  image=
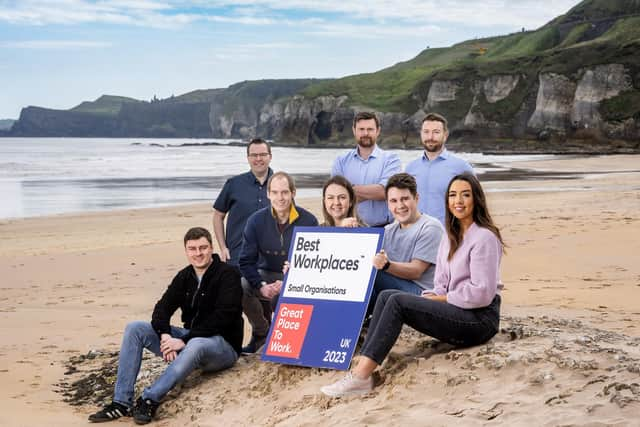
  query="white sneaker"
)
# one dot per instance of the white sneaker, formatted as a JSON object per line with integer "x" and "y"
{"x": 348, "y": 386}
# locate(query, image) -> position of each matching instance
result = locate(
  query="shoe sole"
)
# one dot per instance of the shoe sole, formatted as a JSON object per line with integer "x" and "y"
{"x": 345, "y": 394}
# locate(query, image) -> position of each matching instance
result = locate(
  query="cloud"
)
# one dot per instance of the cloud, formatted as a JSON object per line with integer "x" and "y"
{"x": 54, "y": 44}
{"x": 369, "y": 31}
{"x": 245, "y": 20}
{"x": 175, "y": 13}
{"x": 147, "y": 13}
{"x": 485, "y": 13}
{"x": 252, "y": 51}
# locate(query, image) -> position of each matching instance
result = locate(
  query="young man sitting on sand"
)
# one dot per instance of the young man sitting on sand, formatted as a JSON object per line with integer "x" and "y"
{"x": 209, "y": 296}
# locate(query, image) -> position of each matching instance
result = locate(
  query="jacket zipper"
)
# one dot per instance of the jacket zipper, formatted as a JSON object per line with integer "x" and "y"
{"x": 193, "y": 300}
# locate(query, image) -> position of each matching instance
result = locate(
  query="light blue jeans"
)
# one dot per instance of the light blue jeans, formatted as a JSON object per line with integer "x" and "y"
{"x": 209, "y": 354}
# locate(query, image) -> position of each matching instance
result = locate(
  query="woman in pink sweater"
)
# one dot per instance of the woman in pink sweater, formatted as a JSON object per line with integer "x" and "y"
{"x": 464, "y": 307}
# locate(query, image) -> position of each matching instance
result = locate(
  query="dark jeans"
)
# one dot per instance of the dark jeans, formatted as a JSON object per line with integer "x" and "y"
{"x": 257, "y": 309}
{"x": 445, "y": 322}
{"x": 385, "y": 281}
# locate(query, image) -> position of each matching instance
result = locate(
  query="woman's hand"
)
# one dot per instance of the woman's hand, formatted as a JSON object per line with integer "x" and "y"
{"x": 350, "y": 222}
{"x": 430, "y": 295}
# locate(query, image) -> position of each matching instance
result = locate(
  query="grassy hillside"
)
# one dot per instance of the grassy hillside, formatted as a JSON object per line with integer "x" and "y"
{"x": 614, "y": 23}
{"x": 253, "y": 94}
{"x": 108, "y": 105}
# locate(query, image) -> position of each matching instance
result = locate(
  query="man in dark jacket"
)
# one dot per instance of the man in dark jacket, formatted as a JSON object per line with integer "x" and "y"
{"x": 209, "y": 295}
{"x": 265, "y": 247}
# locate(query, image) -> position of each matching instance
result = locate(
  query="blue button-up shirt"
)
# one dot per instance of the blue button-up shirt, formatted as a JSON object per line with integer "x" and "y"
{"x": 377, "y": 169}
{"x": 433, "y": 179}
{"x": 241, "y": 196}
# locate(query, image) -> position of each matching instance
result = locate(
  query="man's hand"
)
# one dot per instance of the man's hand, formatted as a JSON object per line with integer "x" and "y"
{"x": 270, "y": 290}
{"x": 225, "y": 255}
{"x": 380, "y": 259}
{"x": 170, "y": 347}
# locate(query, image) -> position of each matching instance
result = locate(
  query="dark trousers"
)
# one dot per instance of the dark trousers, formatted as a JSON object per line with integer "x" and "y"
{"x": 443, "y": 321}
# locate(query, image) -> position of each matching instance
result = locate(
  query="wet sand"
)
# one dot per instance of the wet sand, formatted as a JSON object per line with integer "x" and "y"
{"x": 569, "y": 351}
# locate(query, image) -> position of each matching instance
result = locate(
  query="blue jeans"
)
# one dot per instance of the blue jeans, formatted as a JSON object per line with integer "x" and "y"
{"x": 443, "y": 321}
{"x": 208, "y": 354}
{"x": 386, "y": 281}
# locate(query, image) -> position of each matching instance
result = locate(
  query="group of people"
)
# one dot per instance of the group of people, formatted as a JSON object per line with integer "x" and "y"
{"x": 437, "y": 271}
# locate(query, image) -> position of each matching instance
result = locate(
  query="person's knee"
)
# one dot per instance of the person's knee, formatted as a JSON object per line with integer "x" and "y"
{"x": 196, "y": 344}
{"x": 248, "y": 291}
{"x": 137, "y": 327}
{"x": 386, "y": 294}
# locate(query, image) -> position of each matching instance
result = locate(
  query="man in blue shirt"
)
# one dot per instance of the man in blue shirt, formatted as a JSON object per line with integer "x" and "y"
{"x": 368, "y": 168}
{"x": 241, "y": 196}
{"x": 265, "y": 247}
{"x": 435, "y": 168}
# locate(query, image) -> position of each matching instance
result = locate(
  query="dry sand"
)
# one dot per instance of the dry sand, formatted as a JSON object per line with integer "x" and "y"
{"x": 569, "y": 353}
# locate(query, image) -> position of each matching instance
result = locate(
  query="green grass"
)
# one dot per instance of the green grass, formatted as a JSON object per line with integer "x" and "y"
{"x": 203, "y": 95}
{"x": 625, "y": 105}
{"x": 590, "y": 10}
{"x": 107, "y": 105}
{"x": 523, "y": 44}
{"x": 623, "y": 31}
{"x": 575, "y": 35}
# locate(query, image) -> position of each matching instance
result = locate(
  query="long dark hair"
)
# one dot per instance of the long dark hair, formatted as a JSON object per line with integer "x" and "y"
{"x": 342, "y": 182}
{"x": 481, "y": 215}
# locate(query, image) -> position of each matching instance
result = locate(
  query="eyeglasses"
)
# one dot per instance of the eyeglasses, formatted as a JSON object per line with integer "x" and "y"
{"x": 256, "y": 155}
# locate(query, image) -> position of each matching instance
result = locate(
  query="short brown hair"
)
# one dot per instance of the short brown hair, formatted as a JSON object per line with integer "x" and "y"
{"x": 435, "y": 117}
{"x": 256, "y": 141}
{"x": 281, "y": 174}
{"x": 402, "y": 181}
{"x": 366, "y": 115}
{"x": 196, "y": 233}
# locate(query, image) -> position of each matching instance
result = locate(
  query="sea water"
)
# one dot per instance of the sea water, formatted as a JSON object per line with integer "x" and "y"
{"x": 44, "y": 176}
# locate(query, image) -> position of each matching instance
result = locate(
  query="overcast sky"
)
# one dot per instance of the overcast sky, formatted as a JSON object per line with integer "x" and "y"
{"x": 58, "y": 53}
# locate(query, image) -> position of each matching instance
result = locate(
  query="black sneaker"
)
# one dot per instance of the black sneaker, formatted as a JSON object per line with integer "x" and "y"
{"x": 254, "y": 345}
{"x": 144, "y": 410}
{"x": 111, "y": 412}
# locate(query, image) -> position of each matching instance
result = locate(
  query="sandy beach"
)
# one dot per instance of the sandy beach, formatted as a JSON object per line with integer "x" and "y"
{"x": 569, "y": 352}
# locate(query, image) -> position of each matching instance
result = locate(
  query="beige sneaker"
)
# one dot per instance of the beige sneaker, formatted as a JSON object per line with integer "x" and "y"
{"x": 348, "y": 386}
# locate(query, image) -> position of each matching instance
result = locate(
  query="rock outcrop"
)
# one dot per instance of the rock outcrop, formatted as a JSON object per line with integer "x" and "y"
{"x": 553, "y": 103}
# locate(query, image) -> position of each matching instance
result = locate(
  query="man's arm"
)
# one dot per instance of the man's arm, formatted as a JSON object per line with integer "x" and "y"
{"x": 369, "y": 192}
{"x": 375, "y": 191}
{"x": 249, "y": 255}
{"x": 223, "y": 311}
{"x": 167, "y": 305}
{"x": 411, "y": 270}
{"x": 218, "y": 230}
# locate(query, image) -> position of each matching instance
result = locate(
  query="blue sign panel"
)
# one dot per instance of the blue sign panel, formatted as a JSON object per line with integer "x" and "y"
{"x": 324, "y": 296}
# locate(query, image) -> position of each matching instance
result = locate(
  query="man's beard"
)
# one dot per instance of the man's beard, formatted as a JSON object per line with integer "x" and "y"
{"x": 366, "y": 142}
{"x": 432, "y": 146}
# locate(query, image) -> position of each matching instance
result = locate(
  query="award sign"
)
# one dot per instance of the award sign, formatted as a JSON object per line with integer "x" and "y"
{"x": 324, "y": 296}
